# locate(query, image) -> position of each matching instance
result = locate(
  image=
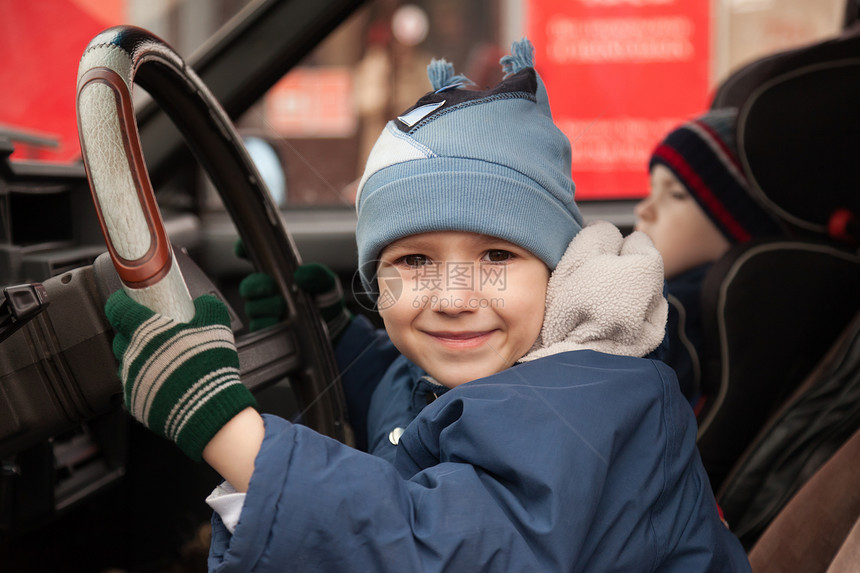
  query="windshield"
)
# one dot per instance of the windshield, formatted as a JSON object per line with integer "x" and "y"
{"x": 619, "y": 73}
{"x": 42, "y": 43}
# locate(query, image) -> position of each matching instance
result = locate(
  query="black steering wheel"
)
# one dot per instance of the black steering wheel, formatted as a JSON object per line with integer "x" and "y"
{"x": 111, "y": 65}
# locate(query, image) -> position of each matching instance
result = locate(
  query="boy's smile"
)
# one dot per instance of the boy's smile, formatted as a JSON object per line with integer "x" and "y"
{"x": 457, "y": 340}
{"x": 471, "y": 305}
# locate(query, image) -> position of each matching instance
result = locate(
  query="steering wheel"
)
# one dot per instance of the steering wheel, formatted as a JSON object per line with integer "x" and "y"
{"x": 113, "y": 62}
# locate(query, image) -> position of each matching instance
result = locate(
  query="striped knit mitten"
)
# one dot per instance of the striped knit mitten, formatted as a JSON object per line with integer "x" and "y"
{"x": 264, "y": 304}
{"x": 323, "y": 285}
{"x": 181, "y": 380}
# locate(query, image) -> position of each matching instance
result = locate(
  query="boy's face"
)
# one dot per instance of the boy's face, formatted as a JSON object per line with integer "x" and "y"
{"x": 469, "y": 305}
{"x": 680, "y": 230}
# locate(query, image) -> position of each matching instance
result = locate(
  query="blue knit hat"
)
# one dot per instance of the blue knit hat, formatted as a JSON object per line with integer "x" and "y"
{"x": 489, "y": 162}
{"x": 703, "y": 156}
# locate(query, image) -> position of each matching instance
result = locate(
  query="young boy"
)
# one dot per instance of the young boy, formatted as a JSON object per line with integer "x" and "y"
{"x": 549, "y": 444}
{"x": 699, "y": 206}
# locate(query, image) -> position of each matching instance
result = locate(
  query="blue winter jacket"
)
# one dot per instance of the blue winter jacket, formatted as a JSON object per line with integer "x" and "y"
{"x": 579, "y": 461}
{"x": 684, "y": 329}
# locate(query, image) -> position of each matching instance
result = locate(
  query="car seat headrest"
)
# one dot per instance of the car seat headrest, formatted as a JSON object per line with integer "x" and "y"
{"x": 798, "y": 134}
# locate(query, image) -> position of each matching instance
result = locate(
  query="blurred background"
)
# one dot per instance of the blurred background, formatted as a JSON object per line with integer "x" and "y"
{"x": 620, "y": 73}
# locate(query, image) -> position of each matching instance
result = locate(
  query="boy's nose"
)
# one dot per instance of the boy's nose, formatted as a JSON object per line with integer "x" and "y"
{"x": 644, "y": 209}
{"x": 459, "y": 292}
{"x": 455, "y": 303}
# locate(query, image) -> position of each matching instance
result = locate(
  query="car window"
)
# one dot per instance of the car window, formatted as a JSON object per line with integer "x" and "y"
{"x": 619, "y": 74}
{"x": 324, "y": 116}
{"x": 37, "y": 77}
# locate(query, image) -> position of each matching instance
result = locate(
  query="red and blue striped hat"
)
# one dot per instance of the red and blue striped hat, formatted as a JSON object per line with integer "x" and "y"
{"x": 703, "y": 155}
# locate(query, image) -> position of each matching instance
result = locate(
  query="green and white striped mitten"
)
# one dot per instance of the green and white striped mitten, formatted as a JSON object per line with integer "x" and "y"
{"x": 180, "y": 379}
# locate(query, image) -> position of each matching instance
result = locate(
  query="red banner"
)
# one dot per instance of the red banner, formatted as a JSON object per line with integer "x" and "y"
{"x": 620, "y": 74}
{"x": 42, "y": 44}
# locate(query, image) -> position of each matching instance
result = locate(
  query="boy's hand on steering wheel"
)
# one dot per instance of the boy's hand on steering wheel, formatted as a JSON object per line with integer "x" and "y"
{"x": 265, "y": 306}
{"x": 322, "y": 284}
{"x": 180, "y": 379}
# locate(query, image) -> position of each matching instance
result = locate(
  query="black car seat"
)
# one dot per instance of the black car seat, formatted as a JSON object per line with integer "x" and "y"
{"x": 812, "y": 424}
{"x": 772, "y": 308}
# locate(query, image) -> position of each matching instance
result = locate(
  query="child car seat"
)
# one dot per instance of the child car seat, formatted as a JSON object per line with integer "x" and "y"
{"x": 812, "y": 424}
{"x": 773, "y": 307}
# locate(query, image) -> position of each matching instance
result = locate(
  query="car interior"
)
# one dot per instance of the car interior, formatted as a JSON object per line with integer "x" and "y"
{"x": 785, "y": 393}
{"x": 83, "y": 488}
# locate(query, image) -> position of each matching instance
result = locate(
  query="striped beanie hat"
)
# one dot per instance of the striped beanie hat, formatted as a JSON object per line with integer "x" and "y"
{"x": 484, "y": 161}
{"x": 703, "y": 156}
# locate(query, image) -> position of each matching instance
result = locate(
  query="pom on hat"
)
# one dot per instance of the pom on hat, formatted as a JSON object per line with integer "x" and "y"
{"x": 703, "y": 156}
{"x": 484, "y": 161}
{"x": 522, "y": 56}
{"x": 441, "y": 76}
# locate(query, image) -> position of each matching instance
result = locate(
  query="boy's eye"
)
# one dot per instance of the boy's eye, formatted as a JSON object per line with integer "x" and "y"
{"x": 415, "y": 260}
{"x": 679, "y": 195}
{"x": 497, "y": 256}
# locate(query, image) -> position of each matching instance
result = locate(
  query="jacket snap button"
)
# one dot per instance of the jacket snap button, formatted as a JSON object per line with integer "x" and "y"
{"x": 394, "y": 435}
